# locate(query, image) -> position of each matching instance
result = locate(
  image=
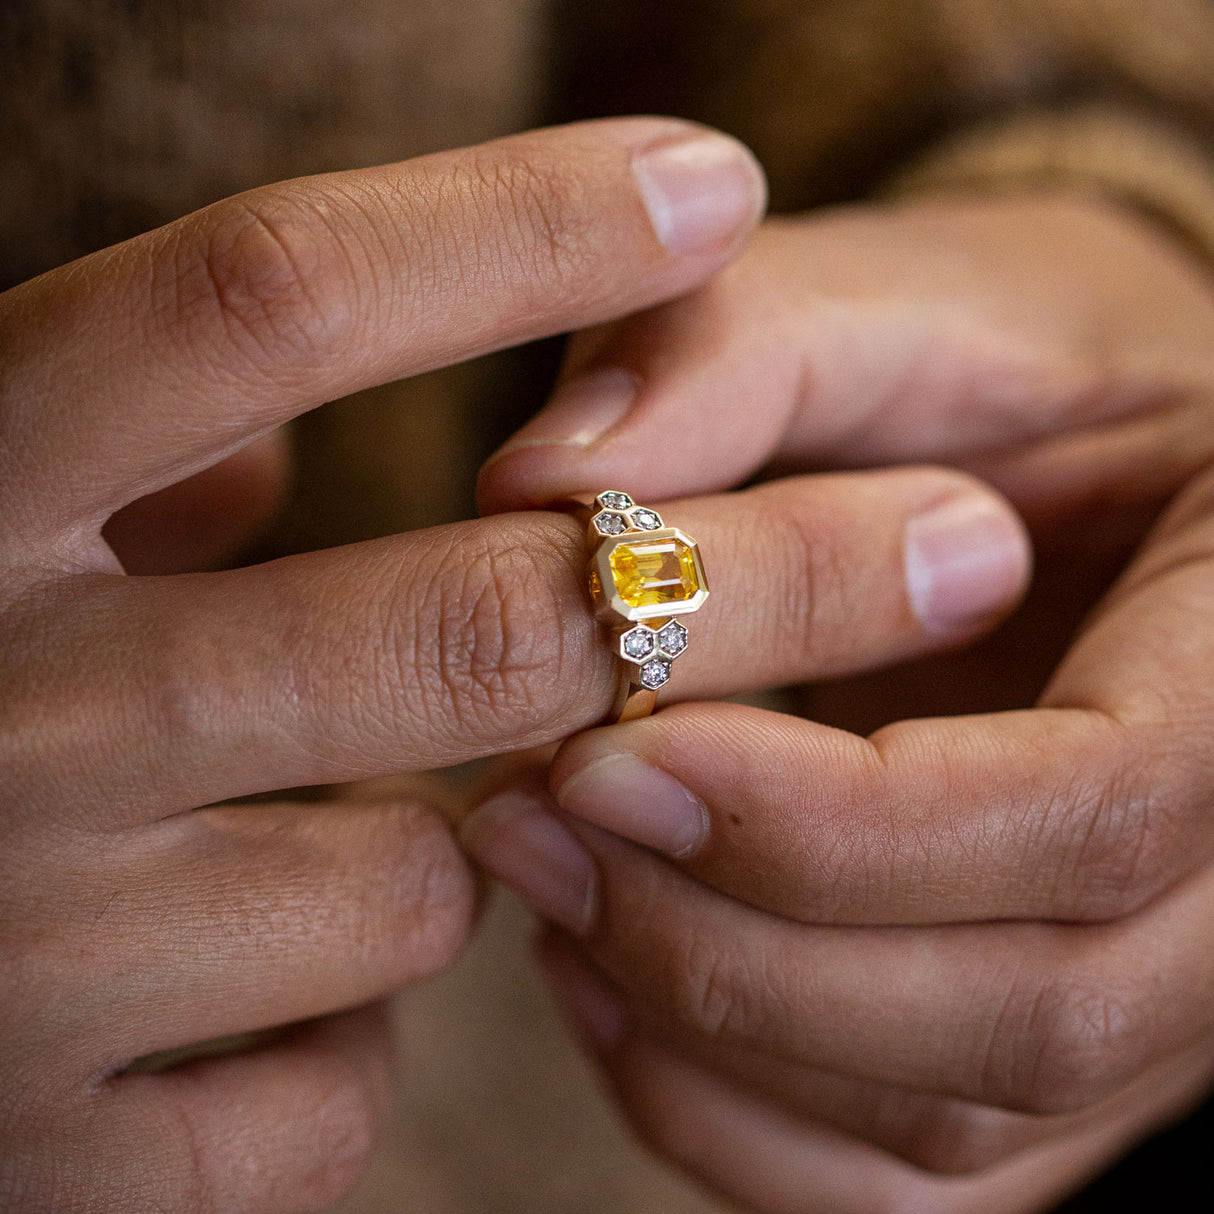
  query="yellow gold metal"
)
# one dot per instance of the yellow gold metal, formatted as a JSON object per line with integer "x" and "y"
{"x": 641, "y": 575}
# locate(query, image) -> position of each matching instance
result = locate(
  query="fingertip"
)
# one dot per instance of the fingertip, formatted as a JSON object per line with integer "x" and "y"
{"x": 704, "y": 191}
{"x": 668, "y": 419}
{"x": 532, "y": 478}
{"x": 686, "y": 398}
{"x": 516, "y": 838}
{"x": 547, "y": 459}
{"x": 622, "y": 792}
{"x": 967, "y": 560}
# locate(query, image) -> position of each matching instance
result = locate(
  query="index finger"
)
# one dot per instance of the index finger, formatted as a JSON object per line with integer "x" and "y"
{"x": 136, "y": 366}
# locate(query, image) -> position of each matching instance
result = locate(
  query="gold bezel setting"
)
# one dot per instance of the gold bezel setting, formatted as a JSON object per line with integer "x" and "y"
{"x": 648, "y": 636}
{"x": 610, "y": 605}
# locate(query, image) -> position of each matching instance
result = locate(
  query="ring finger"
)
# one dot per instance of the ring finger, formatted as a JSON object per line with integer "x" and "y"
{"x": 468, "y": 640}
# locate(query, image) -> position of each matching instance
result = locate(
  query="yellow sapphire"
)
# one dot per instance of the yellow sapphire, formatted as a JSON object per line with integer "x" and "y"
{"x": 649, "y": 573}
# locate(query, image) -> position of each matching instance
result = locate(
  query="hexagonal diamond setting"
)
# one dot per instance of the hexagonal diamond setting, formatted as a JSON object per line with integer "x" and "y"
{"x": 646, "y": 520}
{"x": 607, "y": 523}
{"x": 654, "y": 674}
{"x": 638, "y": 644}
{"x": 672, "y": 639}
{"x": 615, "y": 500}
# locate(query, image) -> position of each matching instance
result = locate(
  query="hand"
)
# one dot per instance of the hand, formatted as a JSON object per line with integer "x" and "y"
{"x": 134, "y": 923}
{"x": 959, "y": 964}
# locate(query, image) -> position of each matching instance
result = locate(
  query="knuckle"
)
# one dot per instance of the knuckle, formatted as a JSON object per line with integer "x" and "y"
{"x": 539, "y": 206}
{"x": 1077, "y": 1040}
{"x": 1129, "y": 834}
{"x": 271, "y": 274}
{"x": 1127, "y": 855}
{"x": 347, "y": 1125}
{"x": 722, "y": 990}
{"x": 430, "y": 896}
{"x": 497, "y": 656}
{"x": 338, "y": 1114}
{"x": 818, "y": 608}
{"x": 175, "y": 700}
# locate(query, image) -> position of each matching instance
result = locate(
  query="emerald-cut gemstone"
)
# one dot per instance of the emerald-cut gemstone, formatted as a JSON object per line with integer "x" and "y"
{"x": 652, "y": 573}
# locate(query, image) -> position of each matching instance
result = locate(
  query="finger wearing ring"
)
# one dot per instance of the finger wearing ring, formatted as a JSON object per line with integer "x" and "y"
{"x": 642, "y": 575}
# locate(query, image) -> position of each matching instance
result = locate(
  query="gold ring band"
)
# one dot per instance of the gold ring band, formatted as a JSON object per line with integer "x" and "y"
{"x": 642, "y": 576}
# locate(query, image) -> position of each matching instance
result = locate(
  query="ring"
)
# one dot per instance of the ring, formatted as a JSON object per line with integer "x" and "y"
{"x": 641, "y": 575}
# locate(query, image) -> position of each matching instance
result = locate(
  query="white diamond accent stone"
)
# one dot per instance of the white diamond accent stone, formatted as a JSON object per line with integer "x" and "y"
{"x": 654, "y": 674}
{"x": 672, "y": 639}
{"x": 610, "y": 524}
{"x": 638, "y": 644}
{"x": 646, "y": 520}
{"x": 614, "y": 500}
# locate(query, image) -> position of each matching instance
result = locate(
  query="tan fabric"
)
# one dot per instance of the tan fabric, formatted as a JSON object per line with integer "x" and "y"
{"x": 837, "y": 96}
{"x": 118, "y": 116}
{"x": 1104, "y": 151}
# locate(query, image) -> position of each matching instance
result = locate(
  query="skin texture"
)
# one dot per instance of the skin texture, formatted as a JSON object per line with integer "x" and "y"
{"x": 939, "y": 943}
{"x": 140, "y": 392}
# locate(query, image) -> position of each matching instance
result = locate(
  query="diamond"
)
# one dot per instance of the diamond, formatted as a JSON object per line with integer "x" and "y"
{"x": 610, "y": 524}
{"x": 614, "y": 500}
{"x": 654, "y": 674}
{"x": 672, "y": 639}
{"x": 650, "y": 573}
{"x": 638, "y": 644}
{"x": 646, "y": 520}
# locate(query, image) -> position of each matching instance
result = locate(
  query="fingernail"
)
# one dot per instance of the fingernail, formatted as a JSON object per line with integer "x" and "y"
{"x": 516, "y": 840}
{"x": 701, "y": 191}
{"x": 623, "y": 794}
{"x": 580, "y": 412}
{"x": 965, "y": 560}
{"x": 596, "y": 1009}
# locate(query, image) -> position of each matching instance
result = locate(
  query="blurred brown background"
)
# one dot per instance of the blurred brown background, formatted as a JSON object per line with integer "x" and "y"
{"x": 117, "y": 115}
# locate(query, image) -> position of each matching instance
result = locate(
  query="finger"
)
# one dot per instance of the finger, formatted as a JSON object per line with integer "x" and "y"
{"x": 240, "y": 918}
{"x": 849, "y": 339}
{"x": 285, "y": 1129}
{"x": 966, "y": 819}
{"x": 1037, "y": 1018}
{"x": 1086, "y": 808}
{"x": 755, "y": 1152}
{"x": 178, "y": 347}
{"x": 421, "y": 651}
{"x": 207, "y": 519}
{"x": 935, "y": 1133}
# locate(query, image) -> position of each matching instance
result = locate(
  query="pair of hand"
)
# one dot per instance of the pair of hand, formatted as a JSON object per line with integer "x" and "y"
{"x": 960, "y": 963}
{"x": 856, "y": 952}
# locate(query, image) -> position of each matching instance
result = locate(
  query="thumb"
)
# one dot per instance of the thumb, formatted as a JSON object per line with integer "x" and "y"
{"x": 777, "y": 360}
